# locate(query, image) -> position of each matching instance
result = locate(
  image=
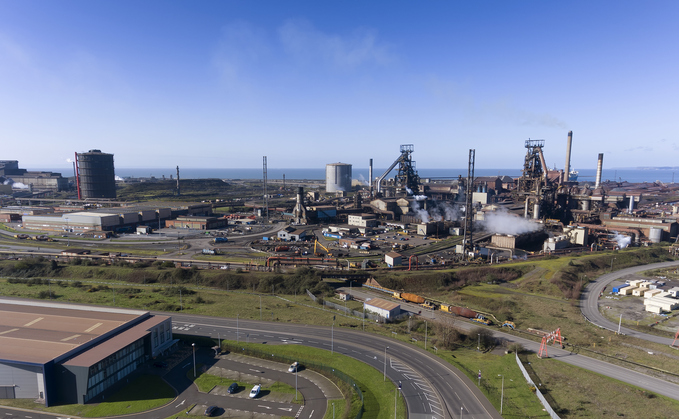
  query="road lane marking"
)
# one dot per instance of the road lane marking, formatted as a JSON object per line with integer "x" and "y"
{"x": 265, "y": 407}
{"x": 312, "y": 412}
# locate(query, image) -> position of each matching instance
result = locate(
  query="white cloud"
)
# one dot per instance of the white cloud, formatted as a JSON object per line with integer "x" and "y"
{"x": 482, "y": 112}
{"x": 241, "y": 45}
{"x": 10, "y": 51}
{"x": 307, "y": 43}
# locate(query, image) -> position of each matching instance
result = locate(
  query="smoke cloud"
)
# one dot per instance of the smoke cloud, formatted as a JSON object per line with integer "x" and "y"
{"x": 623, "y": 241}
{"x": 362, "y": 179}
{"x": 437, "y": 211}
{"x": 502, "y": 222}
{"x": 15, "y": 185}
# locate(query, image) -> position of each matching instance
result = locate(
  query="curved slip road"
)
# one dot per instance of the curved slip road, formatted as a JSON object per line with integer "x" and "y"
{"x": 432, "y": 389}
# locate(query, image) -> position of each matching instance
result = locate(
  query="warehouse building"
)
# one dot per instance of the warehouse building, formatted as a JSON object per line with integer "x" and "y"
{"x": 102, "y": 219}
{"x": 66, "y": 354}
{"x": 383, "y": 308}
{"x": 36, "y": 180}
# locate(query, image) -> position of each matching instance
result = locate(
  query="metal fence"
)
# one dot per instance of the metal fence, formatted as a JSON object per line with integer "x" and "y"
{"x": 544, "y": 402}
{"x": 355, "y": 313}
{"x": 321, "y": 368}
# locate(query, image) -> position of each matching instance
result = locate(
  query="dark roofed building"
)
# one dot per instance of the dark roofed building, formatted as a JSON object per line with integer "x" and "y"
{"x": 65, "y": 354}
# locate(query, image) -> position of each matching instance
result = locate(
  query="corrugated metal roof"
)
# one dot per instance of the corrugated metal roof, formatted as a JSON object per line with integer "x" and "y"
{"x": 382, "y": 304}
{"x": 116, "y": 343}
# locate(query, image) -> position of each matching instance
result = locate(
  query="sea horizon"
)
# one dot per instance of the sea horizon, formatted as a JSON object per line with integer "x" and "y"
{"x": 632, "y": 175}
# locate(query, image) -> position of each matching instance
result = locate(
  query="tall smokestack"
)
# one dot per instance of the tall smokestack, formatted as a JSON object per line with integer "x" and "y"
{"x": 178, "y": 191}
{"x": 567, "y": 167}
{"x": 599, "y": 169}
{"x": 370, "y": 175}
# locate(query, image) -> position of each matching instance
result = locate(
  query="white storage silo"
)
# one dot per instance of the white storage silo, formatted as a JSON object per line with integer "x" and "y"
{"x": 337, "y": 177}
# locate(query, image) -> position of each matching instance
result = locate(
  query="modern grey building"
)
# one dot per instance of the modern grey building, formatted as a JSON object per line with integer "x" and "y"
{"x": 66, "y": 354}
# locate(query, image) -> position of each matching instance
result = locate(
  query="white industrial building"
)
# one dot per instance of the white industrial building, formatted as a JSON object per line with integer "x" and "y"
{"x": 662, "y": 301}
{"x": 393, "y": 259}
{"x": 362, "y": 220}
{"x": 383, "y": 308}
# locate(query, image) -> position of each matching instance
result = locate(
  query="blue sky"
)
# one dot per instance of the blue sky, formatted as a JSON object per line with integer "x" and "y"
{"x": 222, "y": 83}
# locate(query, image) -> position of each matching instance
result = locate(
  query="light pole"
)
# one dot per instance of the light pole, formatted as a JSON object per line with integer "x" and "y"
{"x": 333, "y": 411}
{"x": 502, "y": 397}
{"x": 296, "y": 368}
{"x": 68, "y": 240}
{"x": 425, "y": 335}
{"x": 612, "y": 264}
{"x": 385, "y": 363}
{"x": 193, "y": 345}
{"x": 260, "y": 307}
{"x": 395, "y": 396}
{"x": 237, "y": 327}
{"x": 332, "y": 337}
{"x": 478, "y": 344}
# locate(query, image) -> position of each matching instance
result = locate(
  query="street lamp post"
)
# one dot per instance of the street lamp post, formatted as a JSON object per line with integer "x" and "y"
{"x": 237, "y": 315}
{"x": 296, "y": 368}
{"x": 502, "y": 396}
{"x": 385, "y": 363}
{"x": 478, "y": 344}
{"x": 260, "y": 307}
{"x": 425, "y": 335}
{"x": 612, "y": 264}
{"x": 395, "y": 396}
{"x": 193, "y": 345}
{"x": 332, "y": 336}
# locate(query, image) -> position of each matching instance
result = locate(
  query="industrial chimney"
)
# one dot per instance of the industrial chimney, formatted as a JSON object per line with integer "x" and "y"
{"x": 567, "y": 167}
{"x": 178, "y": 191}
{"x": 599, "y": 169}
{"x": 370, "y": 175}
{"x": 299, "y": 211}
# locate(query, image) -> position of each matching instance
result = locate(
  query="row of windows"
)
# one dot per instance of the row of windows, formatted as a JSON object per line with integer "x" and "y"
{"x": 112, "y": 369}
{"x": 92, "y": 392}
{"x": 112, "y": 359}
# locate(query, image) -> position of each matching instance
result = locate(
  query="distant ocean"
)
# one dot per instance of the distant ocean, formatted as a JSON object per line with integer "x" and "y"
{"x": 665, "y": 175}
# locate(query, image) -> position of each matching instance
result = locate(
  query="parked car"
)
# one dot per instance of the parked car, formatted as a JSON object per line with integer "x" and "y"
{"x": 255, "y": 391}
{"x": 211, "y": 411}
{"x": 293, "y": 367}
{"x": 160, "y": 364}
{"x": 232, "y": 388}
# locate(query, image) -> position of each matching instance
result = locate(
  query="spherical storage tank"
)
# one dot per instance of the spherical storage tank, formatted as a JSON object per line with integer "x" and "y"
{"x": 337, "y": 177}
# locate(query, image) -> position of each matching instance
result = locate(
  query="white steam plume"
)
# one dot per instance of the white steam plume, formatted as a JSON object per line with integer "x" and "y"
{"x": 623, "y": 241}
{"x": 363, "y": 180}
{"x": 424, "y": 215}
{"x": 502, "y": 222}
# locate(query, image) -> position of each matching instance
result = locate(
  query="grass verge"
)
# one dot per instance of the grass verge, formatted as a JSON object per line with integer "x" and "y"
{"x": 378, "y": 394}
{"x": 142, "y": 394}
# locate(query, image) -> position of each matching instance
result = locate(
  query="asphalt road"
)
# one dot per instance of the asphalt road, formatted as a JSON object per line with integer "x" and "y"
{"x": 590, "y": 301}
{"x": 607, "y": 369}
{"x": 432, "y": 389}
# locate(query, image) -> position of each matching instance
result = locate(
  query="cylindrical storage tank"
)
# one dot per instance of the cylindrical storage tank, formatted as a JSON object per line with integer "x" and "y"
{"x": 337, "y": 177}
{"x": 96, "y": 175}
{"x": 655, "y": 235}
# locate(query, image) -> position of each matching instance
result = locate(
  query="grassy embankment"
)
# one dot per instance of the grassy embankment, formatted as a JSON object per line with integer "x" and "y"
{"x": 144, "y": 393}
{"x": 530, "y": 292}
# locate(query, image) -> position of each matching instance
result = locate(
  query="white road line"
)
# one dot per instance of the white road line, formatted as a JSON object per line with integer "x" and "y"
{"x": 311, "y": 341}
{"x": 181, "y": 403}
{"x": 312, "y": 412}
{"x": 265, "y": 407}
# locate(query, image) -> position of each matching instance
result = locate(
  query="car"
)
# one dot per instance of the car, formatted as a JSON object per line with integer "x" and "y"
{"x": 232, "y": 388}
{"x": 211, "y": 410}
{"x": 160, "y": 364}
{"x": 255, "y": 391}
{"x": 293, "y": 367}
